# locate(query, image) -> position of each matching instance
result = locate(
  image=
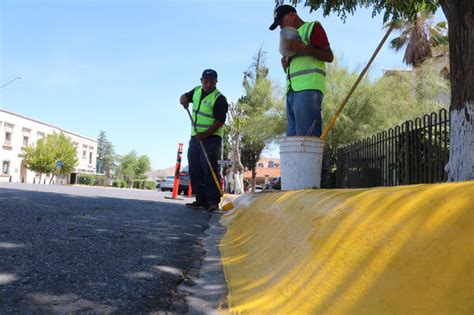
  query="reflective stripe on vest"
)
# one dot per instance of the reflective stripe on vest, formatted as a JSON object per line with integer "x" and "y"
{"x": 306, "y": 72}
{"x": 203, "y": 111}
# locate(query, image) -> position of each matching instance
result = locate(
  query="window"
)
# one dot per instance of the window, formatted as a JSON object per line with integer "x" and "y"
{"x": 8, "y": 138}
{"x": 90, "y": 157}
{"x": 84, "y": 154}
{"x": 25, "y": 141}
{"x": 260, "y": 164}
{"x": 40, "y": 135}
{"x": 271, "y": 164}
{"x": 6, "y": 167}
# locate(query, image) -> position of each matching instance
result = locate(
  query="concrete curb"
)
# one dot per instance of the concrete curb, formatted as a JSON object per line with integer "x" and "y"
{"x": 398, "y": 250}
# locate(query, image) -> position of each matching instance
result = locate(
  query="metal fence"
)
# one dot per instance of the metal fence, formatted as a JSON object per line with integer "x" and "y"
{"x": 412, "y": 153}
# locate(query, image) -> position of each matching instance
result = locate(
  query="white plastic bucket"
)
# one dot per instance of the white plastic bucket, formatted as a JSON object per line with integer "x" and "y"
{"x": 301, "y": 159}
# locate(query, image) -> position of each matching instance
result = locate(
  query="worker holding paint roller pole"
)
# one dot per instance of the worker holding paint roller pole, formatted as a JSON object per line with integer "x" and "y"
{"x": 305, "y": 49}
{"x": 208, "y": 116}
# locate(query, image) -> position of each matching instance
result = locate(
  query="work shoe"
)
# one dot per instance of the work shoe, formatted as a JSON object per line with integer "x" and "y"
{"x": 214, "y": 207}
{"x": 196, "y": 205}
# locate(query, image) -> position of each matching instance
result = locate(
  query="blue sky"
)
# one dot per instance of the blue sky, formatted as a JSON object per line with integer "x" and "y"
{"x": 121, "y": 65}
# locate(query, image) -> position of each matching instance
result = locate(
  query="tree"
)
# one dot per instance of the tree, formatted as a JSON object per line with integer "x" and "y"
{"x": 461, "y": 45}
{"x": 377, "y": 105}
{"x": 262, "y": 104}
{"x": 43, "y": 156}
{"x": 134, "y": 167}
{"x": 251, "y": 149}
{"x": 143, "y": 166}
{"x": 64, "y": 151}
{"x": 38, "y": 158}
{"x": 419, "y": 36}
{"x": 106, "y": 156}
{"x": 422, "y": 38}
{"x": 128, "y": 166}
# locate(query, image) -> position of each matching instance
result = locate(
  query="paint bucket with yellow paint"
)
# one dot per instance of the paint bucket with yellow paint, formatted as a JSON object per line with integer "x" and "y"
{"x": 301, "y": 159}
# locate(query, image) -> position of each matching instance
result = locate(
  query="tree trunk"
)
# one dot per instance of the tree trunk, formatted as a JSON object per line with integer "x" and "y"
{"x": 254, "y": 177}
{"x": 460, "y": 16}
{"x": 237, "y": 169}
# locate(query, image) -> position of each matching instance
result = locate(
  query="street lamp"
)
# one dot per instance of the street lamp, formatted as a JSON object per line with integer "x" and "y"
{"x": 14, "y": 79}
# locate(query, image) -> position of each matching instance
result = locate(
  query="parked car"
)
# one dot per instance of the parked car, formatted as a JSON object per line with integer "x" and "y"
{"x": 276, "y": 183}
{"x": 168, "y": 182}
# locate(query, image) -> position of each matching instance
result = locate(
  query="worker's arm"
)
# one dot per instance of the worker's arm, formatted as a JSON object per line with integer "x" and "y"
{"x": 186, "y": 98}
{"x": 213, "y": 128}
{"x": 321, "y": 53}
{"x": 284, "y": 63}
{"x": 183, "y": 100}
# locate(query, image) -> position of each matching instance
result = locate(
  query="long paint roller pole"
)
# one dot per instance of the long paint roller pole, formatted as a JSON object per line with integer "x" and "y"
{"x": 344, "y": 102}
{"x": 205, "y": 155}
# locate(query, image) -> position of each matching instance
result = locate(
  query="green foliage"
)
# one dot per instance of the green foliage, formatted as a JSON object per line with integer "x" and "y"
{"x": 263, "y": 112}
{"x": 134, "y": 167}
{"x": 143, "y": 184}
{"x": 263, "y": 102}
{"x": 101, "y": 180}
{"x": 378, "y": 105}
{"x": 421, "y": 37}
{"x": 39, "y": 157}
{"x": 357, "y": 119}
{"x": 149, "y": 185}
{"x": 106, "y": 156}
{"x": 251, "y": 148}
{"x": 86, "y": 179}
{"x": 137, "y": 184}
{"x": 64, "y": 151}
{"x": 42, "y": 156}
{"x": 119, "y": 183}
{"x": 143, "y": 165}
{"x": 391, "y": 10}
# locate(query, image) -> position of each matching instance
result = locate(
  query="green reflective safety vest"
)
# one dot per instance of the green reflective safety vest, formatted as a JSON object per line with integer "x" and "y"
{"x": 203, "y": 111}
{"x": 306, "y": 72}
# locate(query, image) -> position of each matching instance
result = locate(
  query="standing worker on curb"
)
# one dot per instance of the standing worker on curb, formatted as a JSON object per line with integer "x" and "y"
{"x": 209, "y": 115}
{"x": 306, "y": 72}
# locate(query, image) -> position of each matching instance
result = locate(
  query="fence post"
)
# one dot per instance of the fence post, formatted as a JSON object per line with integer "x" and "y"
{"x": 406, "y": 148}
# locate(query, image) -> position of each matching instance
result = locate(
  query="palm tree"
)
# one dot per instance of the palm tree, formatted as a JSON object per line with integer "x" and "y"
{"x": 420, "y": 37}
{"x": 423, "y": 39}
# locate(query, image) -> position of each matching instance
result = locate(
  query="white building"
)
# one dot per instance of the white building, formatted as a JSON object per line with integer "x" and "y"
{"x": 17, "y": 132}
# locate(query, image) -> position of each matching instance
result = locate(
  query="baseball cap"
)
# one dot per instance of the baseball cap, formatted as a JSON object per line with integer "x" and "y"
{"x": 279, "y": 13}
{"x": 209, "y": 73}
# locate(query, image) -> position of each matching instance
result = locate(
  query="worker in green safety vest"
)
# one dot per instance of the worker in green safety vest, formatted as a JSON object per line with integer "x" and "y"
{"x": 305, "y": 72}
{"x": 209, "y": 115}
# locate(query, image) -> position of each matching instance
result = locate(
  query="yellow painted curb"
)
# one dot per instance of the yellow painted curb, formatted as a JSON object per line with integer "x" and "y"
{"x": 399, "y": 250}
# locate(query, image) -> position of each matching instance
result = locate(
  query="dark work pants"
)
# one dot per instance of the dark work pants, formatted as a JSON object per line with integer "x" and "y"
{"x": 202, "y": 181}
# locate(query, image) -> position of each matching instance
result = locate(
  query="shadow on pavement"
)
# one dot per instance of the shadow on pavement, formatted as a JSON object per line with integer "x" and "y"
{"x": 69, "y": 253}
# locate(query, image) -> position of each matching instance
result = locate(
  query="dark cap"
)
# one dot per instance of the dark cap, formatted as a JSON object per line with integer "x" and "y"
{"x": 279, "y": 13}
{"x": 209, "y": 74}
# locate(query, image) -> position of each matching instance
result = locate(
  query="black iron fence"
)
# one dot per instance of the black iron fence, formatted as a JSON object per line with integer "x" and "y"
{"x": 412, "y": 153}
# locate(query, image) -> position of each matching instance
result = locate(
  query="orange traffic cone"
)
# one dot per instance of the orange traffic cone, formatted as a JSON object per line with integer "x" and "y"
{"x": 174, "y": 194}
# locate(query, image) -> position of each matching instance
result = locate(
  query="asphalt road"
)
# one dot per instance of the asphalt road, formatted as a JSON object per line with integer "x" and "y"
{"x": 79, "y": 249}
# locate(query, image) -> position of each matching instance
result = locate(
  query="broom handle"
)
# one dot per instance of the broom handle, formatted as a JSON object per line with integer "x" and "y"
{"x": 344, "y": 102}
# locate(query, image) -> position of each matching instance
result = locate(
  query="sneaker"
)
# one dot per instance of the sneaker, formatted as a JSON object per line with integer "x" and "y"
{"x": 214, "y": 207}
{"x": 196, "y": 205}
